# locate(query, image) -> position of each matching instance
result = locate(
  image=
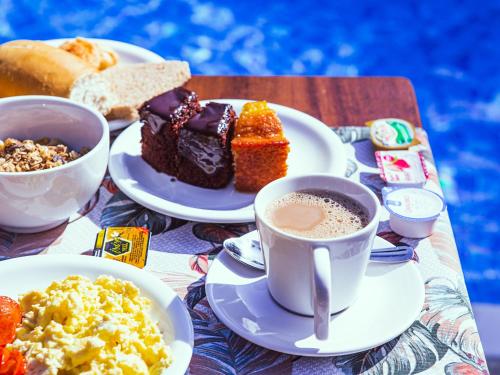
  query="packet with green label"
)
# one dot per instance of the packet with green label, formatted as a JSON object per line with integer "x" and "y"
{"x": 392, "y": 134}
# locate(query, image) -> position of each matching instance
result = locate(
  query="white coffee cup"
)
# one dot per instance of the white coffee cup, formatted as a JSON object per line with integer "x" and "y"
{"x": 315, "y": 276}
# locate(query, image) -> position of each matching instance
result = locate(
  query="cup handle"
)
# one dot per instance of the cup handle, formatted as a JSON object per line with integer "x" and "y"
{"x": 321, "y": 291}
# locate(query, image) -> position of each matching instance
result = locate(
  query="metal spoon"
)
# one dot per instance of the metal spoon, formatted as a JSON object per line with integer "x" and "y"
{"x": 246, "y": 250}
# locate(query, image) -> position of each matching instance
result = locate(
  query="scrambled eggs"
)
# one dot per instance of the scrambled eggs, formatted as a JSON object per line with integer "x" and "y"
{"x": 77, "y": 326}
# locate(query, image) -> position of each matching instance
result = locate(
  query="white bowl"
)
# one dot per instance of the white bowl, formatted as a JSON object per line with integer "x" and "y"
{"x": 23, "y": 274}
{"x": 39, "y": 200}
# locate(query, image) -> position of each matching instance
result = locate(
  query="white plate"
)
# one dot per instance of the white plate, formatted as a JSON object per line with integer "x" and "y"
{"x": 390, "y": 300}
{"x": 314, "y": 148}
{"x": 21, "y": 275}
{"x": 128, "y": 54}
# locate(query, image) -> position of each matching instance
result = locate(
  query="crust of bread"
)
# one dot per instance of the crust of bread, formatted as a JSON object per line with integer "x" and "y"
{"x": 123, "y": 112}
{"x": 32, "y": 67}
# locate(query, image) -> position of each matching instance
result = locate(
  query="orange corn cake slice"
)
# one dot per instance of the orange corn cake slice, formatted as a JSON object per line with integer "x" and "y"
{"x": 259, "y": 147}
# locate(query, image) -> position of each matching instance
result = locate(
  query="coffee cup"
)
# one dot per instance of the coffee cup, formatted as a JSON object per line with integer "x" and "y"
{"x": 315, "y": 276}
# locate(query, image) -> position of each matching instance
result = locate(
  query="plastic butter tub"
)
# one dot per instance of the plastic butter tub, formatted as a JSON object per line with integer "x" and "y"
{"x": 413, "y": 211}
{"x": 392, "y": 134}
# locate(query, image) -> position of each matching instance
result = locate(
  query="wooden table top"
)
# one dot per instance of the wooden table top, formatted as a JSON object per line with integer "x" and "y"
{"x": 335, "y": 101}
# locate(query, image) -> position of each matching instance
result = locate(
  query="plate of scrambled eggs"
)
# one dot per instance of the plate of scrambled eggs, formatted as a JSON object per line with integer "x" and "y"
{"x": 87, "y": 315}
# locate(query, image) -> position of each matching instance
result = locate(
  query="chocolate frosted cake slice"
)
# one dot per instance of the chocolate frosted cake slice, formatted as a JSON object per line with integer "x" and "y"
{"x": 162, "y": 118}
{"x": 204, "y": 147}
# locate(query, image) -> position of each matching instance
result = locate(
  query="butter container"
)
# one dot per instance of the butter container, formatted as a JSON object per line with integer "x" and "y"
{"x": 392, "y": 134}
{"x": 413, "y": 211}
{"x": 124, "y": 244}
{"x": 402, "y": 168}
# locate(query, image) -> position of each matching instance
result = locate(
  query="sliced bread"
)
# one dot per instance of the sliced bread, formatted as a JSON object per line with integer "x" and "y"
{"x": 119, "y": 91}
{"x": 28, "y": 67}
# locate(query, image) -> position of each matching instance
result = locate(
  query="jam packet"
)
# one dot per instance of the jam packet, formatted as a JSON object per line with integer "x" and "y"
{"x": 125, "y": 244}
{"x": 392, "y": 134}
{"x": 402, "y": 168}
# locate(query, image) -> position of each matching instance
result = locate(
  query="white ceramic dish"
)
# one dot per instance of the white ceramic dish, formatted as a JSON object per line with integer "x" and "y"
{"x": 128, "y": 54}
{"x": 335, "y": 266}
{"x": 40, "y": 200}
{"x": 21, "y": 275}
{"x": 314, "y": 148}
{"x": 389, "y": 301}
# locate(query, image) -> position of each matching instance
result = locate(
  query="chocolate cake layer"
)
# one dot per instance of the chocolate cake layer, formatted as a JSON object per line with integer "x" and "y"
{"x": 204, "y": 147}
{"x": 163, "y": 116}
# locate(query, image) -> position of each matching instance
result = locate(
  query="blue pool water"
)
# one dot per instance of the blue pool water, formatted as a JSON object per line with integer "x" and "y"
{"x": 449, "y": 49}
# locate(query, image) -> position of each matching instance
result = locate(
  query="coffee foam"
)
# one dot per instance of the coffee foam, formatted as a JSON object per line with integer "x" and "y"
{"x": 341, "y": 215}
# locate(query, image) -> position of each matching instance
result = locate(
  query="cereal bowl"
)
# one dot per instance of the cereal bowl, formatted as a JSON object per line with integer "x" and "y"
{"x": 33, "y": 201}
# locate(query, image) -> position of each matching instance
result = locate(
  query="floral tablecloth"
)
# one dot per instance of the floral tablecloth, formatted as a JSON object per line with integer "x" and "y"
{"x": 444, "y": 340}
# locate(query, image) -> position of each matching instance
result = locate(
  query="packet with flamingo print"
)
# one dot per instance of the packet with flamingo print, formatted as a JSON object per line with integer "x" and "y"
{"x": 402, "y": 168}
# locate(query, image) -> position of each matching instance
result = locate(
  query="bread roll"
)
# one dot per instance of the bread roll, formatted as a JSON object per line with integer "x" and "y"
{"x": 35, "y": 68}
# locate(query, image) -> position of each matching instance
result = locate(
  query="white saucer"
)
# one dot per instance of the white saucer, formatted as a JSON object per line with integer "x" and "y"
{"x": 314, "y": 148}
{"x": 390, "y": 300}
{"x": 127, "y": 53}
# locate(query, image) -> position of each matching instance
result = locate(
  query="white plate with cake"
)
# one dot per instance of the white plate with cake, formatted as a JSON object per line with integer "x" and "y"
{"x": 113, "y": 77}
{"x": 188, "y": 169}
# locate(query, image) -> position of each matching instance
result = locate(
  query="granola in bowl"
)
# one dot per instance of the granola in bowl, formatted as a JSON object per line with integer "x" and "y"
{"x": 29, "y": 155}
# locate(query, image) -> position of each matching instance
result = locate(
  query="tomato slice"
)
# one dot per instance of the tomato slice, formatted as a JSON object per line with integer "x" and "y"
{"x": 12, "y": 362}
{"x": 10, "y": 317}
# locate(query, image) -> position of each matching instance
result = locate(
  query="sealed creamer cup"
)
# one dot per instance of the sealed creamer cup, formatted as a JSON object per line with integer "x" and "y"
{"x": 413, "y": 211}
